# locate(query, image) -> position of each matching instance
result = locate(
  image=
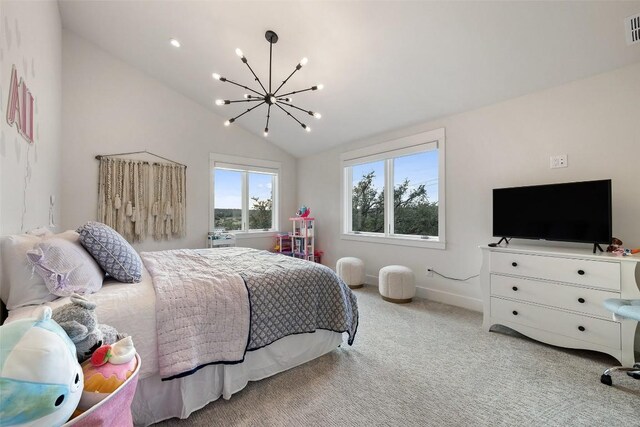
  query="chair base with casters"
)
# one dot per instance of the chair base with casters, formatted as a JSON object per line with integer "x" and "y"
{"x": 632, "y": 372}
{"x": 622, "y": 309}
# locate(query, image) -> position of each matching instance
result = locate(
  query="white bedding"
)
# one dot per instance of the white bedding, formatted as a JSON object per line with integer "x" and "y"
{"x": 128, "y": 307}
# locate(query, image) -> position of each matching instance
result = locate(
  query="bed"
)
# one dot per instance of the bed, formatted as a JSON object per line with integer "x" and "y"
{"x": 135, "y": 309}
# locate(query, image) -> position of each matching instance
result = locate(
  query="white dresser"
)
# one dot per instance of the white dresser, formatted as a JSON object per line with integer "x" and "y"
{"x": 555, "y": 295}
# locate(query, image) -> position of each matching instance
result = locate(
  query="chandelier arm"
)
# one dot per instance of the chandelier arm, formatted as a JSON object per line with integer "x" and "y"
{"x": 249, "y": 109}
{"x": 247, "y": 100}
{"x": 290, "y": 115}
{"x": 298, "y": 91}
{"x": 270, "y": 60}
{"x": 286, "y": 80}
{"x": 268, "y": 116}
{"x": 244, "y": 87}
{"x": 297, "y": 108}
{"x": 254, "y": 74}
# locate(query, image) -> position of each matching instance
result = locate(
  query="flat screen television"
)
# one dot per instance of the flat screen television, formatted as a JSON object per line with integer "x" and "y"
{"x": 568, "y": 212}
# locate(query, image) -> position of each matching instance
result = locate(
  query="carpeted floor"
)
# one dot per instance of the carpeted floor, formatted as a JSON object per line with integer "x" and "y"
{"x": 430, "y": 364}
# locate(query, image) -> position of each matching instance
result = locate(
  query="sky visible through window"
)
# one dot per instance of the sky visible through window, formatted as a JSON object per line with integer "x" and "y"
{"x": 228, "y": 188}
{"x": 259, "y": 186}
{"x": 421, "y": 168}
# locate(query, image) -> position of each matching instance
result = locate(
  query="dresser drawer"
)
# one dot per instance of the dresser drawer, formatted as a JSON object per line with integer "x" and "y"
{"x": 584, "y": 300}
{"x": 596, "y": 331}
{"x": 598, "y": 274}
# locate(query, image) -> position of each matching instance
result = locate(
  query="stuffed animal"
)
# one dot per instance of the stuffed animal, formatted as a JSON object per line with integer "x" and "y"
{"x": 109, "y": 367}
{"x": 41, "y": 380}
{"x": 79, "y": 320}
{"x": 615, "y": 246}
{"x": 304, "y": 211}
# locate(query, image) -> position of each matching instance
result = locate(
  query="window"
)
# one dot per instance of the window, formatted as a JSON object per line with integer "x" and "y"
{"x": 244, "y": 194}
{"x": 394, "y": 192}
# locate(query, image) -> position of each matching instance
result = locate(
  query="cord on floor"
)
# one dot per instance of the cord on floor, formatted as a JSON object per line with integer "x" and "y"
{"x": 452, "y": 278}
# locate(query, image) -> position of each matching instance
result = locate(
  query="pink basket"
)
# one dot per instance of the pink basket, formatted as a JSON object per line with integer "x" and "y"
{"x": 114, "y": 410}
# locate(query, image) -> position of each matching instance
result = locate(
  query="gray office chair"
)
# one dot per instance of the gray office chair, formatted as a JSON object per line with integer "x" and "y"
{"x": 628, "y": 309}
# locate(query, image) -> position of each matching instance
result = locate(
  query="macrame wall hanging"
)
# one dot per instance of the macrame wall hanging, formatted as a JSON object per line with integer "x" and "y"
{"x": 138, "y": 198}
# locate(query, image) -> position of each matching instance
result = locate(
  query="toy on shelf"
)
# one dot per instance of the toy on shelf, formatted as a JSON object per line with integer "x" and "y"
{"x": 616, "y": 248}
{"x": 283, "y": 244}
{"x": 303, "y": 212}
{"x": 41, "y": 380}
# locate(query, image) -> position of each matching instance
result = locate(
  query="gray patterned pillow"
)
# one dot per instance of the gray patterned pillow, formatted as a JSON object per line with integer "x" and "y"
{"x": 111, "y": 251}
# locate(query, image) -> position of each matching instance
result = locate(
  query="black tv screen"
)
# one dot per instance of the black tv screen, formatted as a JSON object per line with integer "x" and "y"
{"x": 569, "y": 212}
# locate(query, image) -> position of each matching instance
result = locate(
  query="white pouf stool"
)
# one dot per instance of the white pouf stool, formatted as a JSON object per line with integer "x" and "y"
{"x": 396, "y": 284}
{"x": 351, "y": 271}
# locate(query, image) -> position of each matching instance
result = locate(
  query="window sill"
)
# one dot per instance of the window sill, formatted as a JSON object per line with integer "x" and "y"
{"x": 399, "y": 241}
{"x": 254, "y": 234}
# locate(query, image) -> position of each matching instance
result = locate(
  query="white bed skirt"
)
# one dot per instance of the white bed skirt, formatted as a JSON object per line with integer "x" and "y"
{"x": 157, "y": 400}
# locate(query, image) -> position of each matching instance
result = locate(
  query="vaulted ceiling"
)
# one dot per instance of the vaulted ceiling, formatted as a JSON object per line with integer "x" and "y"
{"x": 384, "y": 64}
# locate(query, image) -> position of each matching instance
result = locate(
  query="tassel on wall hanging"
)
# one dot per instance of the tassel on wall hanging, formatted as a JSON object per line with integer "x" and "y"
{"x": 138, "y": 198}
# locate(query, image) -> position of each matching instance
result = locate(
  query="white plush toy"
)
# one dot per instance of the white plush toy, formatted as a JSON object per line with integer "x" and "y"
{"x": 41, "y": 380}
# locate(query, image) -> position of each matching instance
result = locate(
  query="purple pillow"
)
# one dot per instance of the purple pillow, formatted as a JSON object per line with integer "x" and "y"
{"x": 66, "y": 267}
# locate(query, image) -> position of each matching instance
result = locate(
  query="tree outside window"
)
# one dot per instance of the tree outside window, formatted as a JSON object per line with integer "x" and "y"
{"x": 415, "y": 195}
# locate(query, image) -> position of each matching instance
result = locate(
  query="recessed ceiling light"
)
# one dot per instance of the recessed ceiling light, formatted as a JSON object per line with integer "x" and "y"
{"x": 174, "y": 43}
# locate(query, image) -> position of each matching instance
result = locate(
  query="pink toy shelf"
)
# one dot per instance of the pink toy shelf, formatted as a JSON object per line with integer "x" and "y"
{"x": 299, "y": 243}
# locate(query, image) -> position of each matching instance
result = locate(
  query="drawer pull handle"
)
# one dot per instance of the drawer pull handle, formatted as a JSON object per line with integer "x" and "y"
{"x": 515, "y": 313}
{"x": 515, "y": 288}
{"x": 514, "y": 264}
{"x": 581, "y": 300}
{"x": 581, "y": 272}
{"x": 581, "y": 328}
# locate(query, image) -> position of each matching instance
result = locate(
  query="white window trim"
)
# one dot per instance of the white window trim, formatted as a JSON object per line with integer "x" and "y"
{"x": 395, "y": 148}
{"x": 252, "y": 165}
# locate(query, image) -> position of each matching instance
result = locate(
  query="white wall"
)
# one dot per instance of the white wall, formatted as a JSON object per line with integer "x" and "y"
{"x": 111, "y": 107}
{"x": 594, "y": 121}
{"x": 30, "y": 38}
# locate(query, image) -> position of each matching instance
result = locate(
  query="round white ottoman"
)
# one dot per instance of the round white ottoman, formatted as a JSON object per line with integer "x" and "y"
{"x": 351, "y": 271}
{"x": 396, "y": 284}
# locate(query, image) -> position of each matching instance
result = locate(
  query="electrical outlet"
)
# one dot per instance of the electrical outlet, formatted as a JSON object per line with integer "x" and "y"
{"x": 429, "y": 271}
{"x": 560, "y": 161}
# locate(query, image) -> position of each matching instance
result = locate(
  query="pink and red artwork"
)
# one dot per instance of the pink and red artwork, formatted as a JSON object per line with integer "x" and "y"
{"x": 20, "y": 106}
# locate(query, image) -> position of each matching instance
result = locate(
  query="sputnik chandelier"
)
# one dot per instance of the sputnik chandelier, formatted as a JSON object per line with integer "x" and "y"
{"x": 269, "y": 97}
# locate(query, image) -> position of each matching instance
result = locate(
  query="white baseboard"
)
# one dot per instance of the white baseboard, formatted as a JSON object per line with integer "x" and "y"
{"x": 437, "y": 295}
{"x": 444, "y": 297}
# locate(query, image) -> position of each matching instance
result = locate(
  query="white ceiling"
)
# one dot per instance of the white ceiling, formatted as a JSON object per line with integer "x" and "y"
{"x": 385, "y": 65}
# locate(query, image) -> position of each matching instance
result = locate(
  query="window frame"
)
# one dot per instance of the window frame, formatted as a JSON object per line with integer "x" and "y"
{"x": 247, "y": 166}
{"x": 387, "y": 152}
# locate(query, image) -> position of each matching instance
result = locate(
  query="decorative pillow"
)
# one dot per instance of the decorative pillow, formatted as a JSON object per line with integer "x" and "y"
{"x": 42, "y": 232}
{"x": 66, "y": 267}
{"x": 20, "y": 285}
{"x": 112, "y": 252}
